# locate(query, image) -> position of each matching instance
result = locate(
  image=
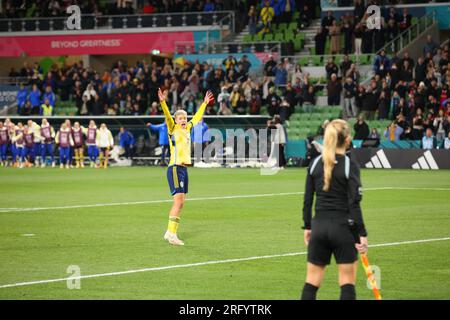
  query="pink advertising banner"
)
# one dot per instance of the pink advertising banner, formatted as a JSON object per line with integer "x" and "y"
{"x": 93, "y": 44}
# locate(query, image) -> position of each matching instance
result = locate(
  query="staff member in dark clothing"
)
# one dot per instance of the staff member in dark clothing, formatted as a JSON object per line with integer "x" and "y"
{"x": 334, "y": 178}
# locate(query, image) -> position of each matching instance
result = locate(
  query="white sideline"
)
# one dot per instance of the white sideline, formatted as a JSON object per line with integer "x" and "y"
{"x": 198, "y": 264}
{"x": 7, "y": 210}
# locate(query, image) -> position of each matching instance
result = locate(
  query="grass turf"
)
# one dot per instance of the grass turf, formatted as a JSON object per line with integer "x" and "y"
{"x": 107, "y": 239}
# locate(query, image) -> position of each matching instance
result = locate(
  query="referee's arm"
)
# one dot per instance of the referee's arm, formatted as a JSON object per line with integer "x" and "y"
{"x": 308, "y": 201}
{"x": 354, "y": 198}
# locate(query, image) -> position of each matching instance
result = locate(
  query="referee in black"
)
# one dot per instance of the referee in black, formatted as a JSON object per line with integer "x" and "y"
{"x": 338, "y": 226}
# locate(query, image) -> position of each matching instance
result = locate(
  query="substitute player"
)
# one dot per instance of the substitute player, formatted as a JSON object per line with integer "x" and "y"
{"x": 105, "y": 142}
{"x": 179, "y": 131}
{"x": 47, "y": 138}
{"x": 4, "y": 142}
{"x": 19, "y": 145}
{"x": 334, "y": 179}
{"x": 65, "y": 141}
{"x": 12, "y": 133}
{"x": 91, "y": 142}
{"x": 78, "y": 144}
{"x": 36, "y": 152}
{"x": 28, "y": 136}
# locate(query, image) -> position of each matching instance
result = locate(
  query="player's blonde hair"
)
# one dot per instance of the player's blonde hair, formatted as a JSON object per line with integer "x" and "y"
{"x": 179, "y": 113}
{"x": 335, "y": 136}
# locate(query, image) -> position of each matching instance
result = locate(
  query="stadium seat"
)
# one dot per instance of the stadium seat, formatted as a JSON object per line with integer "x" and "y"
{"x": 247, "y": 38}
{"x": 279, "y": 36}
{"x": 292, "y": 26}
{"x": 282, "y": 26}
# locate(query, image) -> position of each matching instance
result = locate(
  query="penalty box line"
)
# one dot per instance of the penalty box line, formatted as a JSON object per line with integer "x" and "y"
{"x": 12, "y": 210}
{"x": 199, "y": 264}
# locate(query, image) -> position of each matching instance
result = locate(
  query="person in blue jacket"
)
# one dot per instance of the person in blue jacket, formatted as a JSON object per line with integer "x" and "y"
{"x": 127, "y": 142}
{"x": 49, "y": 95}
{"x": 22, "y": 96}
{"x": 163, "y": 139}
{"x": 201, "y": 138}
{"x": 35, "y": 100}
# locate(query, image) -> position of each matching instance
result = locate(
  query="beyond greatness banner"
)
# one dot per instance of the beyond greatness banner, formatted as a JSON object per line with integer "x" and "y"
{"x": 93, "y": 44}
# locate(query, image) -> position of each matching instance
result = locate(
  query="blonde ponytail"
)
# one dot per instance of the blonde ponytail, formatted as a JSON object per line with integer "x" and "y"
{"x": 335, "y": 136}
{"x": 329, "y": 154}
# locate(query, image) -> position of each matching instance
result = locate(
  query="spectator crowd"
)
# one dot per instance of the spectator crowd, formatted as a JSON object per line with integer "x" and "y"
{"x": 351, "y": 33}
{"x": 57, "y": 8}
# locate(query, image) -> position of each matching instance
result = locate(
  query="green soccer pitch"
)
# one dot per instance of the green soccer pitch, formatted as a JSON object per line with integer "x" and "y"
{"x": 242, "y": 232}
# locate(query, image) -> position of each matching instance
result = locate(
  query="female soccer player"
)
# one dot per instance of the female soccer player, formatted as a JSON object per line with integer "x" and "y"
{"x": 105, "y": 142}
{"x": 78, "y": 144}
{"x": 334, "y": 178}
{"x": 179, "y": 131}
{"x": 36, "y": 131}
{"x": 4, "y": 142}
{"x": 91, "y": 142}
{"x": 65, "y": 141}
{"x": 19, "y": 144}
{"x": 12, "y": 133}
{"x": 28, "y": 136}
{"x": 47, "y": 136}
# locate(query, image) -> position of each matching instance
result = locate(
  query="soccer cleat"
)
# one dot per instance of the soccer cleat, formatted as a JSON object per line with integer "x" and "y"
{"x": 68, "y": 166}
{"x": 173, "y": 239}
{"x": 53, "y": 164}
{"x": 61, "y": 166}
{"x": 43, "y": 165}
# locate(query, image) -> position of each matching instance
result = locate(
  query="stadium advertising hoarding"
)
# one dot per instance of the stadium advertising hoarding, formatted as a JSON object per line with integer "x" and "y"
{"x": 402, "y": 159}
{"x": 93, "y": 44}
{"x": 216, "y": 59}
{"x": 7, "y": 95}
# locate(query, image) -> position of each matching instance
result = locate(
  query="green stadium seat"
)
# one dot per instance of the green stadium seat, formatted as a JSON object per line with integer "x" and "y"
{"x": 316, "y": 61}
{"x": 247, "y": 38}
{"x": 298, "y": 44}
{"x": 304, "y": 61}
{"x": 292, "y": 26}
{"x": 268, "y": 37}
{"x": 289, "y": 36}
{"x": 282, "y": 26}
{"x": 279, "y": 36}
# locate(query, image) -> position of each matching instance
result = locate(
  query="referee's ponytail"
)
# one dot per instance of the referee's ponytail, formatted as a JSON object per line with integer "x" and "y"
{"x": 336, "y": 133}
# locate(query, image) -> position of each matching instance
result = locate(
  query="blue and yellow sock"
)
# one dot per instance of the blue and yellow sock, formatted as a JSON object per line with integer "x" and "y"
{"x": 173, "y": 224}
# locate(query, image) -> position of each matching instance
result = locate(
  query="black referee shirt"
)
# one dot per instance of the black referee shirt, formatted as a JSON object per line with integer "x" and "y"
{"x": 342, "y": 199}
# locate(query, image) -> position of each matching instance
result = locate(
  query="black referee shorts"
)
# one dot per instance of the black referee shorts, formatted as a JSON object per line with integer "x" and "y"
{"x": 331, "y": 236}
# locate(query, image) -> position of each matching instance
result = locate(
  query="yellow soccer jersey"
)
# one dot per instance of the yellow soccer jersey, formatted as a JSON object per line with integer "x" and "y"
{"x": 179, "y": 138}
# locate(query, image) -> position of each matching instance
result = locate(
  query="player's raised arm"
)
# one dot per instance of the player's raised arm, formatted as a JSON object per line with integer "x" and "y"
{"x": 199, "y": 114}
{"x": 162, "y": 99}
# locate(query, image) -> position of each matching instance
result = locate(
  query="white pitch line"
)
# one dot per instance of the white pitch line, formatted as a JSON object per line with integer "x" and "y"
{"x": 199, "y": 264}
{"x": 150, "y": 202}
{"x": 7, "y": 210}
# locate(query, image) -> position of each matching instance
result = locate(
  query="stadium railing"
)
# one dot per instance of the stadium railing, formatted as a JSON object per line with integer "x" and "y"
{"x": 212, "y": 47}
{"x": 405, "y": 38}
{"x": 95, "y": 22}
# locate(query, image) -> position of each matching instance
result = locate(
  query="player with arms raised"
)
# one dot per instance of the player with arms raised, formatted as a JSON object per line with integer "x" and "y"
{"x": 179, "y": 132}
